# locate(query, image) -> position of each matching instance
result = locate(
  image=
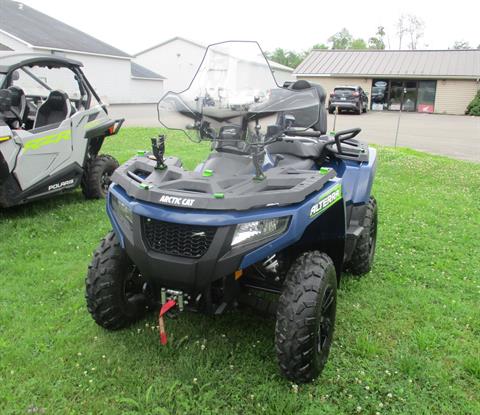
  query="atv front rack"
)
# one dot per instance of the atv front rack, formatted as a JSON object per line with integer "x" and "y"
{"x": 174, "y": 186}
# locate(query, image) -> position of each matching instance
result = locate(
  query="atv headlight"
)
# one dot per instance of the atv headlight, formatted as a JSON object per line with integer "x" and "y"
{"x": 122, "y": 211}
{"x": 258, "y": 230}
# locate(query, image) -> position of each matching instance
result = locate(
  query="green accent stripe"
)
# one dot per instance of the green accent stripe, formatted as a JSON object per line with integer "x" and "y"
{"x": 40, "y": 142}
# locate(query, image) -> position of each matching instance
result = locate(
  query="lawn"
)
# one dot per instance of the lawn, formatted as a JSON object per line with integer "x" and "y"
{"x": 407, "y": 337}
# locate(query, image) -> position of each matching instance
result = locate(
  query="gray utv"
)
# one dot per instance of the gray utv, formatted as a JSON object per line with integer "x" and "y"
{"x": 52, "y": 127}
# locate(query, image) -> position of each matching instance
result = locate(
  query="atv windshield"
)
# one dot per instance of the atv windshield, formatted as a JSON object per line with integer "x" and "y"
{"x": 234, "y": 96}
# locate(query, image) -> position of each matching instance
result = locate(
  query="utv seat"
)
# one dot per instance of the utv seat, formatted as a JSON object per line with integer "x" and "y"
{"x": 19, "y": 105}
{"x": 54, "y": 110}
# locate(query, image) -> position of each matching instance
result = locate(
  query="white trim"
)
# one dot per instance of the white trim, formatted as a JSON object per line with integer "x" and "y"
{"x": 62, "y": 50}
{"x": 82, "y": 52}
{"x": 141, "y": 78}
{"x": 16, "y": 38}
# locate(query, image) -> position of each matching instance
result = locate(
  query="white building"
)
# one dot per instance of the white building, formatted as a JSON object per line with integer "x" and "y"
{"x": 111, "y": 71}
{"x": 178, "y": 60}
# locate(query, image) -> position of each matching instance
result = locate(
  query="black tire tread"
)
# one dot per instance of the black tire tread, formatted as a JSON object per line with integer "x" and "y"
{"x": 296, "y": 314}
{"x": 360, "y": 263}
{"x": 104, "y": 286}
{"x": 91, "y": 180}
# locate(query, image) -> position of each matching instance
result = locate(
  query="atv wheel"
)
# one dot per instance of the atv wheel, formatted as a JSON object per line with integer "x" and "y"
{"x": 364, "y": 252}
{"x": 306, "y": 317}
{"x": 114, "y": 286}
{"x": 97, "y": 176}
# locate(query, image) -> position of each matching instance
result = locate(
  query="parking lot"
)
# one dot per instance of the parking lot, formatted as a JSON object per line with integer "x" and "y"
{"x": 449, "y": 135}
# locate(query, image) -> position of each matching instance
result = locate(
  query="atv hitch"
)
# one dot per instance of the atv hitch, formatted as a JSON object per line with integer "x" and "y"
{"x": 177, "y": 296}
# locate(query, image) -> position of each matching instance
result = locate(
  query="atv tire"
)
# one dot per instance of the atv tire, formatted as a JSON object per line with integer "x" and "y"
{"x": 114, "y": 286}
{"x": 306, "y": 317}
{"x": 97, "y": 176}
{"x": 364, "y": 252}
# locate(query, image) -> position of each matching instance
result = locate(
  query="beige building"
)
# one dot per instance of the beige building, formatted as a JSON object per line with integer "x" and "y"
{"x": 440, "y": 81}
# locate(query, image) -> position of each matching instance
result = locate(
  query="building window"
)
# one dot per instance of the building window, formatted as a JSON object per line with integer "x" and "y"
{"x": 405, "y": 94}
{"x": 426, "y": 96}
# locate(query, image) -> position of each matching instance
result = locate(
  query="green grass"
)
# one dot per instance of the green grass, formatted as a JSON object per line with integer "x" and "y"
{"x": 407, "y": 337}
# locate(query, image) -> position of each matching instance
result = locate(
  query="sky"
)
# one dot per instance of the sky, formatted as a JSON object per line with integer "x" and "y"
{"x": 293, "y": 25}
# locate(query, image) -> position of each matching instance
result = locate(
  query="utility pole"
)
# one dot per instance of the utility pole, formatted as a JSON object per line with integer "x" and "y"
{"x": 404, "y": 91}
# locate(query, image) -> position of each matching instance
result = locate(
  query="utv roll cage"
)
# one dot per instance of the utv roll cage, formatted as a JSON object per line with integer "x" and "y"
{"x": 9, "y": 63}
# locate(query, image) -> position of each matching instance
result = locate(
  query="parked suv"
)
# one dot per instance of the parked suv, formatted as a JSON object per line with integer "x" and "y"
{"x": 348, "y": 98}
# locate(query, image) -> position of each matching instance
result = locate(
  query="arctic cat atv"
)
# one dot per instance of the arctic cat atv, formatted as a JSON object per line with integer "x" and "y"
{"x": 52, "y": 127}
{"x": 278, "y": 207}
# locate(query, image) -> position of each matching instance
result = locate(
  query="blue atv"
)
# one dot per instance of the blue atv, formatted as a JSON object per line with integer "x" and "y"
{"x": 278, "y": 209}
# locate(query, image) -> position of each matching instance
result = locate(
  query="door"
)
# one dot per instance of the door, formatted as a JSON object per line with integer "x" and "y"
{"x": 53, "y": 96}
{"x": 43, "y": 153}
{"x": 403, "y": 95}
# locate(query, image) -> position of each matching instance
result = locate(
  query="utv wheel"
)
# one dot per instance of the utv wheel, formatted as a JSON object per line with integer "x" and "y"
{"x": 97, "y": 176}
{"x": 306, "y": 317}
{"x": 114, "y": 286}
{"x": 364, "y": 253}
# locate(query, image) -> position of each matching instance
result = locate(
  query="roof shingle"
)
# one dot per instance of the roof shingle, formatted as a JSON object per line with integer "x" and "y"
{"x": 40, "y": 30}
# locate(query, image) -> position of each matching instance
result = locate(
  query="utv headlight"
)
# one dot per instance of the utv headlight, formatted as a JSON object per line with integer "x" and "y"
{"x": 122, "y": 211}
{"x": 258, "y": 230}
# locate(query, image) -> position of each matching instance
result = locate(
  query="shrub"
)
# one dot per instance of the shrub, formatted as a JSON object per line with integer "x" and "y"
{"x": 474, "y": 106}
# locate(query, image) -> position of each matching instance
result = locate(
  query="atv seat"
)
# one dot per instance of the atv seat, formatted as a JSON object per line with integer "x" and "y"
{"x": 54, "y": 110}
{"x": 321, "y": 124}
{"x": 298, "y": 152}
{"x": 19, "y": 104}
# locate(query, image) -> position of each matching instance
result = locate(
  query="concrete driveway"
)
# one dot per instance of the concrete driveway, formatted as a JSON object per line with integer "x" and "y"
{"x": 449, "y": 135}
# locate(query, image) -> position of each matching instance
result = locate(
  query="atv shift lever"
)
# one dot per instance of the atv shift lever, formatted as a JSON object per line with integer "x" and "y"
{"x": 158, "y": 150}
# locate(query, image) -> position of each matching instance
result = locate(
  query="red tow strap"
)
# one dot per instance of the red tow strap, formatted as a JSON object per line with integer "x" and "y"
{"x": 161, "y": 324}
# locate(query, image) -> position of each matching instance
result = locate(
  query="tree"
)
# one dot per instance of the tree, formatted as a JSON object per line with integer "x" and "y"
{"x": 401, "y": 29}
{"x": 412, "y": 27}
{"x": 287, "y": 58}
{"x": 357, "y": 44}
{"x": 461, "y": 44}
{"x": 341, "y": 40}
{"x": 320, "y": 46}
{"x": 377, "y": 42}
{"x": 415, "y": 30}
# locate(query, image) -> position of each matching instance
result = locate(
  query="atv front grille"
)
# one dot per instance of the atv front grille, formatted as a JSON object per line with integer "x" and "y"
{"x": 189, "y": 241}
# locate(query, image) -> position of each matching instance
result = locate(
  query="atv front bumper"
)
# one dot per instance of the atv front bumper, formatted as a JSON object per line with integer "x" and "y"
{"x": 194, "y": 269}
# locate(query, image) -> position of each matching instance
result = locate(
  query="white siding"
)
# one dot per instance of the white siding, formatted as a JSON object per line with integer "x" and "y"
{"x": 177, "y": 61}
{"x": 144, "y": 91}
{"x": 453, "y": 96}
{"x": 282, "y": 76}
